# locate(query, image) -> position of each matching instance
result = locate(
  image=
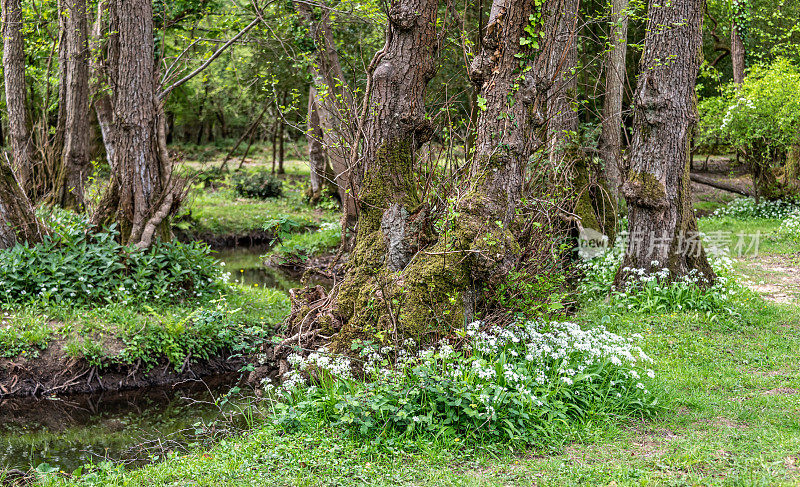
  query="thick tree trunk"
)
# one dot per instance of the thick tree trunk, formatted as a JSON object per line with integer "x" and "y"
{"x": 611, "y": 136}
{"x": 22, "y": 147}
{"x": 141, "y": 194}
{"x": 663, "y": 228}
{"x": 18, "y": 222}
{"x": 75, "y": 164}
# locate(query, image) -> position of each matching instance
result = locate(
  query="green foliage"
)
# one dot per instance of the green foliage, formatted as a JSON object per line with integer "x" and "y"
{"x": 76, "y": 266}
{"x": 302, "y": 246}
{"x": 260, "y": 184}
{"x": 658, "y": 293}
{"x": 534, "y": 294}
{"x": 23, "y": 335}
{"x": 762, "y": 117}
{"x": 747, "y": 209}
{"x": 527, "y": 384}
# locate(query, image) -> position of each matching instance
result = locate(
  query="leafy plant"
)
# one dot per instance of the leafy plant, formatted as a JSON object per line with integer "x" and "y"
{"x": 259, "y": 184}
{"x": 73, "y": 265}
{"x": 526, "y": 384}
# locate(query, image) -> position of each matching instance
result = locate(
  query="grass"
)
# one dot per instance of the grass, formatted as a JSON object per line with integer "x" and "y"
{"x": 731, "y": 389}
{"x": 125, "y": 333}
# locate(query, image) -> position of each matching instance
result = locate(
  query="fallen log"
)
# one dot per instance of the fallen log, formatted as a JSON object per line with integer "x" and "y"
{"x": 697, "y": 178}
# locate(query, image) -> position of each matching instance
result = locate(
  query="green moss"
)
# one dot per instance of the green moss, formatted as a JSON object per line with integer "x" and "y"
{"x": 644, "y": 189}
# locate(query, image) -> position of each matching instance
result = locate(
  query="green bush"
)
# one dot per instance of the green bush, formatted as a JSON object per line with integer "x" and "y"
{"x": 524, "y": 384}
{"x": 74, "y": 265}
{"x": 747, "y": 209}
{"x": 302, "y": 246}
{"x": 259, "y": 184}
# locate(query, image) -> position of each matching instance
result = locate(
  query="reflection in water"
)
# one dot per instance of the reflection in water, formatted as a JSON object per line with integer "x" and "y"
{"x": 132, "y": 426}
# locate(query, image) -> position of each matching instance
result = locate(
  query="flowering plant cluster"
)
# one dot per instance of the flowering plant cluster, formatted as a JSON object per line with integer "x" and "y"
{"x": 528, "y": 383}
{"x": 73, "y": 265}
{"x": 746, "y": 208}
{"x": 790, "y": 228}
{"x": 659, "y": 292}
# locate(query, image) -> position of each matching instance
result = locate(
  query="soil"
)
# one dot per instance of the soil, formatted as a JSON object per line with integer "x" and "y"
{"x": 777, "y": 277}
{"x": 55, "y": 373}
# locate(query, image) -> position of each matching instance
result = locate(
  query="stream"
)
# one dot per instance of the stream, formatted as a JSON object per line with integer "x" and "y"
{"x": 137, "y": 426}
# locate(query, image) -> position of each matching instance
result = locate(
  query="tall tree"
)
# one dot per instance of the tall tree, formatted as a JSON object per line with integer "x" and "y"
{"x": 663, "y": 228}
{"x": 22, "y": 147}
{"x": 562, "y": 43}
{"x": 142, "y": 192}
{"x": 75, "y": 164}
{"x": 611, "y": 136}
{"x": 321, "y": 176}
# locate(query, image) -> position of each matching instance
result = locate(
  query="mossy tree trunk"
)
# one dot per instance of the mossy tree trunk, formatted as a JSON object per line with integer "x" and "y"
{"x": 429, "y": 284}
{"x": 737, "y": 44}
{"x": 22, "y": 147}
{"x": 663, "y": 228}
{"x": 18, "y": 222}
{"x": 75, "y": 163}
{"x": 142, "y": 193}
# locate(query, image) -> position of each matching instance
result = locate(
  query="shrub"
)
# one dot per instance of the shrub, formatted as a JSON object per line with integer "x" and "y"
{"x": 790, "y": 228}
{"x": 74, "y": 265}
{"x": 302, "y": 246}
{"x": 256, "y": 184}
{"x": 526, "y": 384}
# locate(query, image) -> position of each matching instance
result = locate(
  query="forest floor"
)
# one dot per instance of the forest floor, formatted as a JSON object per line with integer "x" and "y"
{"x": 730, "y": 390}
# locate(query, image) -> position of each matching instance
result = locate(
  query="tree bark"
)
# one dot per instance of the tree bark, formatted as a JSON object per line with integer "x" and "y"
{"x": 611, "y": 136}
{"x": 321, "y": 176}
{"x": 18, "y": 222}
{"x": 141, "y": 185}
{"x": 663, "y": 228}
{"x": 75, "y": 164}
{"x": 99, "y": 89}
{"x": 737, "y": 45}
{"x": 336, "y": 108}
{"x": 562, "y": 119}
{"x": 22, "y": 147}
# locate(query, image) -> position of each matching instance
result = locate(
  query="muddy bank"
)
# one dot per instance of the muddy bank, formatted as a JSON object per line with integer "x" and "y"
{"x": 54, "y": 373}
{"x": 255, "y": 239}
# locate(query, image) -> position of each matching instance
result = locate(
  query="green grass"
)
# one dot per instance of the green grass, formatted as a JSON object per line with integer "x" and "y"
{"x": 125, "y": 333}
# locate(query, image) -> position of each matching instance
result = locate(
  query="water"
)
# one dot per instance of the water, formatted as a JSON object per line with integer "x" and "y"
{"x": 133, "y": 427}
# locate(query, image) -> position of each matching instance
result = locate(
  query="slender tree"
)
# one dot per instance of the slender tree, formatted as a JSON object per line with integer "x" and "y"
{"x": 663, "y": 228}
{"x": 321, "y": 176}
{"x": 22, "y": 147}
{"x": 75, "y": 165}
{"x": 610, "y": 145}
{"x": 18, "y": 222}
{"x": 737, "y": 40}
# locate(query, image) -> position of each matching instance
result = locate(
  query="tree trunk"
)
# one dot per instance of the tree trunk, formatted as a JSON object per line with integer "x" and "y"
{"x": 22, "y": 147}
{"x": 321, "y": 176}
{"x": 663, "y": 228}
{"x": 18, "y": 222}
{"x": 141, "y": 194}
{"x": 562, "y": 119}
{"x": 99, "y": 89}
{"x": 611, "y": 137}
{"x": 75, "y": 164}
{"x": 336, "y": 108}
{"x": 737, "y": 43}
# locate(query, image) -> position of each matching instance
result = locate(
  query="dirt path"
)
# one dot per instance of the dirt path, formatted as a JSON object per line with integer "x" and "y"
{"x": 775, "y": 277}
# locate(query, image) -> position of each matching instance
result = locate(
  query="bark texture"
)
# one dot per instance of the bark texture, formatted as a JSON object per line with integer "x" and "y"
{"x": 320, "y": 174}
{"x": 663, "y": 228}
{"x": 737, "y": 47}
{"x": 75, "y": 164}
{"x": 22, "y": 147}
{"x": 141, "y": 194}
{"x": 18, "y": 221}
{"x": 611, "y": 136}
{"x": 99, "y": 89}
{"x": 562, "y": 44}
{"x": 335, "y": 107}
